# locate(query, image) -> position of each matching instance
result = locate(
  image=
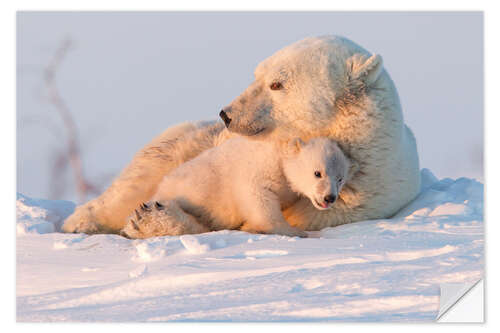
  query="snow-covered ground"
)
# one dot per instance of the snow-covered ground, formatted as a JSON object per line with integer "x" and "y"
{"x": 382, "y": 270}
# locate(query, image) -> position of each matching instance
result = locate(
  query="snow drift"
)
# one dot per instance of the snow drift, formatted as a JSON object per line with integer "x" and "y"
{"x": 380, "y": 270}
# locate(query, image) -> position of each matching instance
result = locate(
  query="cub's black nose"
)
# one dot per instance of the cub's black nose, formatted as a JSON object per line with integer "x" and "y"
{"x": 224, "y": 117}
{"x": 330, "y": 198}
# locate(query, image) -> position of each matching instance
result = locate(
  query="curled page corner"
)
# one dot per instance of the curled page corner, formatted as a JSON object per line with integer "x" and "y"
{"x": 451, "y": 293}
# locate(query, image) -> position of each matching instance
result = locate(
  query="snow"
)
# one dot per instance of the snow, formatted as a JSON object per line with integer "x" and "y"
{"x": 193, "y": 245}
{"x": 379, "y": 270}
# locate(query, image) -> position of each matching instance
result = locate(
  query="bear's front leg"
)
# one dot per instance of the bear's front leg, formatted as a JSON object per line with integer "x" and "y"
{"x": 266, "y": 217}
{"x": 164, "y": 218}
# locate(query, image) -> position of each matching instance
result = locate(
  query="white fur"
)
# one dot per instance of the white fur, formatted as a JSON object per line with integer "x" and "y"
{"x": 242, "y": 184}
{"x": 331, "y": 87}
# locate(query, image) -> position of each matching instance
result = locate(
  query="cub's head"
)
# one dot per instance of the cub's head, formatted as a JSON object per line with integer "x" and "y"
{"x": 297, "y": 89}
{"x": 317, "y": 169}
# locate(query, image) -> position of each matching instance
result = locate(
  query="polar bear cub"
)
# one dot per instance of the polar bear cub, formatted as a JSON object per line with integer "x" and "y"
{"x": 243, "y": 184}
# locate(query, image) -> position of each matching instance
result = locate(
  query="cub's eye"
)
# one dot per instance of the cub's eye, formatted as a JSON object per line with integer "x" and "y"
{"x": 276, "y": 86}
{"x": 317, "y": 174}
{"x": 340, "y": 180}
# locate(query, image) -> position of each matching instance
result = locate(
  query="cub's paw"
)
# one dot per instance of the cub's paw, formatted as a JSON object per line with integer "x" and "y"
{"x": 161, "y": 219}
{"x": 145, "y": 222}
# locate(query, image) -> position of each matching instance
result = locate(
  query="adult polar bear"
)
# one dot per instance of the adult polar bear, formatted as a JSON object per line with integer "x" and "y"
{"x": 325, "y": 86}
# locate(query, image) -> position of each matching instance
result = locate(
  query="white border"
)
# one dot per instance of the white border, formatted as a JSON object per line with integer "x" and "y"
{"x": 7, "y": 101}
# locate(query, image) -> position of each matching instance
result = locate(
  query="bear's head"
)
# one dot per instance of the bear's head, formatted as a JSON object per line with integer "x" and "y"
{"x": 297, "y": 90}
{"x": 317, "y": 169}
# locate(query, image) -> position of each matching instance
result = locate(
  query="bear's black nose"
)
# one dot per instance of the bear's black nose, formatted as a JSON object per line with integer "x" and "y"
{"x": 224, "y": 117}
{"x": 330, "y": 198}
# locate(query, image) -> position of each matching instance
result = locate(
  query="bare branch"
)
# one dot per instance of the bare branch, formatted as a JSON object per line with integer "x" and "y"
{"x": 72, "y": 152}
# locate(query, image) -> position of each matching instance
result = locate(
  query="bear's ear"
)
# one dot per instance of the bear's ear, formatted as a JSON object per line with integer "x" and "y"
{"x": 365, "y": 68}
{"x": 295, "y": 145}
{"x": 353, "y": 169}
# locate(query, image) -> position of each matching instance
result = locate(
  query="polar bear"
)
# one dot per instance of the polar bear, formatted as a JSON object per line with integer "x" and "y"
{"x": 243, "y": 184}
{"x": 317, "y": 87}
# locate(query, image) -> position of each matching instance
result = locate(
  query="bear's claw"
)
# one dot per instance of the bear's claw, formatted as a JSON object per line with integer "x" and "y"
{"x": 145, "y": 207}
{"x": 134, "y": 224}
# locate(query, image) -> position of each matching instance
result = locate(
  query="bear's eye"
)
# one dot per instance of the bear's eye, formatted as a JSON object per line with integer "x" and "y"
{"x": 340, "y": 180}
{"x": 317, "y": 174}
{"x": 276, "y": 86}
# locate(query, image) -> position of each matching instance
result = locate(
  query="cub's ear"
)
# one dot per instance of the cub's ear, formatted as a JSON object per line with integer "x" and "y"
{"x": 365, "y": 68}
{"x": 353, "y": 169}
{"x": 295, "y": 145}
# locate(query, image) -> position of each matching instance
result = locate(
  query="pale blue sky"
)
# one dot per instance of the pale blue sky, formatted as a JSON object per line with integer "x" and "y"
{"x": 131, "y": 75}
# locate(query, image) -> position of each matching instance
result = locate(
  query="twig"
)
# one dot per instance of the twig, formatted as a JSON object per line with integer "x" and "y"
{"x": 83, "y": 187}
